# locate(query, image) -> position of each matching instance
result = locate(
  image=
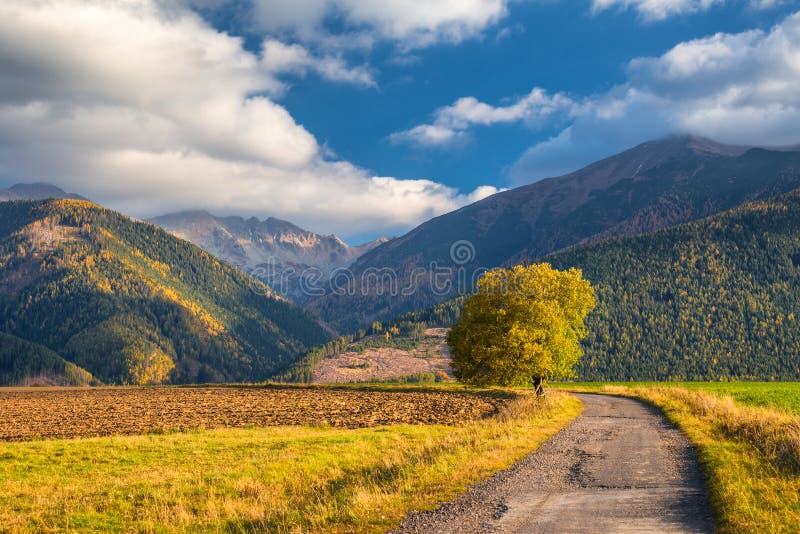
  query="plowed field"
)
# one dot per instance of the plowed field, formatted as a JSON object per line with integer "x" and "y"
{"x": 30, "y": 413}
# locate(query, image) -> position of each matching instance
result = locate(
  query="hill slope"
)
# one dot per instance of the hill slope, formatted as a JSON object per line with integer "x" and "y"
{"x": 713, "y": 299}
{"x": 276, "y": 252}
{"x": 130, "y": 303}
{"x": 652, "y": 186}
{"x": 23, "y": 363}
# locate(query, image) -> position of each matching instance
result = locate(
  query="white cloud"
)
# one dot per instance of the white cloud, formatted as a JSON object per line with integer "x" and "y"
{"x": 451, "y": 123}
{"x": 428, "y": 135}
{"x": 735, "y": 88}
{"x": 409, "y": 23}
{"x": 483, "y": 191}
{"x": 279, "y": 58}
{"x": 656, "y": 10}
{"x": 144, "y": 107}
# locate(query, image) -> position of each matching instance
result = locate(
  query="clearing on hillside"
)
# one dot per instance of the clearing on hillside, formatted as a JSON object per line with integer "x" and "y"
{"x": 374, "y": 359}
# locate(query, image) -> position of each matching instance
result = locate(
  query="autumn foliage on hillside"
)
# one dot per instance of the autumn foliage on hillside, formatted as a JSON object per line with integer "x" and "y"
{"x": 130, "y": 303}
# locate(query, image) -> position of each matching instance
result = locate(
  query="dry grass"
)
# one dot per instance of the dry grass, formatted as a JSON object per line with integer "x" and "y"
{"x": 775, "y": 434}
{"x": 278, "y": 479}
{"x": 750, "y": 455}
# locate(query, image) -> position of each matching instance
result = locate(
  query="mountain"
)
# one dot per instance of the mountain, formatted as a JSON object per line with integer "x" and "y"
{"x": 130, "y": 303}
{"x": 713, "y": 299}
{"x": 652, "y": 186}
{"x": 275, "y": 251}
{"x": 37, "y": 191}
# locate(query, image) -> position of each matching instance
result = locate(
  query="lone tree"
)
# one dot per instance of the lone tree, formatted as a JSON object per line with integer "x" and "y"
{"x": 522, "y": 327}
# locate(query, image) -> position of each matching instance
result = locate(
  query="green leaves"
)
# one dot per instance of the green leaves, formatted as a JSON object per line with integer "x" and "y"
{"x": 523, "y": 325}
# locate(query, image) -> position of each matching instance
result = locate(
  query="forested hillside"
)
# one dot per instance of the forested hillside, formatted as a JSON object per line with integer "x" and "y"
{"x": 26, "y": 363}
{"x": 130, "y": 303}
{"x": 713, "y": 299}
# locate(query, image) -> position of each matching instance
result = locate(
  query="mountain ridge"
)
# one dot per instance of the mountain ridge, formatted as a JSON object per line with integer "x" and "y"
{"x": 36, "y": 191}
{"x": 653, "y": 185}
{"x": 276, "y": 251}
{"x": 716, "y": 298}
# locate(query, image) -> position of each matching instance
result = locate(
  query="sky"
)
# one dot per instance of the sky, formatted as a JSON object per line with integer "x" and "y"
{"x": 366, "y": 118}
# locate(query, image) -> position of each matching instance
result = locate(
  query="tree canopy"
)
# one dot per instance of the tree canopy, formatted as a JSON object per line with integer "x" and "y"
{"x": 522, "y": 326}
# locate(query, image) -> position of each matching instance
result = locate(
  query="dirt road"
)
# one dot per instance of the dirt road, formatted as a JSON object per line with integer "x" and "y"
{"x": 619, "y": 467}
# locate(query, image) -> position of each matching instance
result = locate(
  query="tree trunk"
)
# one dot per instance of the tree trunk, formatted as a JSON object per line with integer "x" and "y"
{"x": 538, "y": 384}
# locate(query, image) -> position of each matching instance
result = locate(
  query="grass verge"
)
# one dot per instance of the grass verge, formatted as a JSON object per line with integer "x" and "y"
{"x": 780, "y": 395}
{"x": 279, "y": 479}
{"x": 749, "y": 454}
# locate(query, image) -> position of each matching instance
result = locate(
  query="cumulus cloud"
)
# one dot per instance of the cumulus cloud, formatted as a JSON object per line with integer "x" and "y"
{"x": 142, "y": 106}
{"x": 451, "y": 123}
{"x": 279, "y": 58}
{"x": 739, "y": 88}
{"x": 411, "y": 24}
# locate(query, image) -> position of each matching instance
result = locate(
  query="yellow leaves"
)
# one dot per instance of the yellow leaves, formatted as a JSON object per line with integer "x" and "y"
{"x": 213, "y": 327}
{"x": 159, "y": 267}
{"x": 104, "y": 285}
{"x": 65, "y": 203}
{"x": 149, "y": 366}
{"x": 524, "y": 323}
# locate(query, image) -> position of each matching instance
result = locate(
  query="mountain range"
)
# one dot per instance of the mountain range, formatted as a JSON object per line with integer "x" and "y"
{"x": 294, "y": 262}
{"x": 693, "y": 247}
{"x": 712, "y": 299}
{"x": 654, "y": 185}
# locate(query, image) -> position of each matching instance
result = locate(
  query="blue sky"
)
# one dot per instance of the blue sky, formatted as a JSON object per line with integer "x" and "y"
{"x": 540, "y": 44}
{"x": 366, "y": 118}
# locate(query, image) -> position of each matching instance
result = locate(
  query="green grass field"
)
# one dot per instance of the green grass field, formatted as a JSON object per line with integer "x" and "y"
{"x": 780, "y": 395}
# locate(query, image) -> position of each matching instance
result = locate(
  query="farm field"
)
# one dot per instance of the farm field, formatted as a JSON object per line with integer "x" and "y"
{"x": 275, "y": 479}
{"x": 28, "y": 413}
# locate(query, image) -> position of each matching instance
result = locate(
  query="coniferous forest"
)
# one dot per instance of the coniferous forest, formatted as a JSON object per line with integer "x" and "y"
{"x": 714, "y": 299}
{"x": 130, "y": 303}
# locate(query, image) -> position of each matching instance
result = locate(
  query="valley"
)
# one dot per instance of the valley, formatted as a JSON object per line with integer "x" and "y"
{"x": 105, "y": 308}
{"x": 352, "y": 266}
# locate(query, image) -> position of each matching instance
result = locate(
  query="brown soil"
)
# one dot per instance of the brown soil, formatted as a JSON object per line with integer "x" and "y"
{"x": 30, "y": 413}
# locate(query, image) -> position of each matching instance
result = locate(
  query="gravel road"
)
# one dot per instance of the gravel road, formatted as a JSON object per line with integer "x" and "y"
{"x": 619, "y": 467}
